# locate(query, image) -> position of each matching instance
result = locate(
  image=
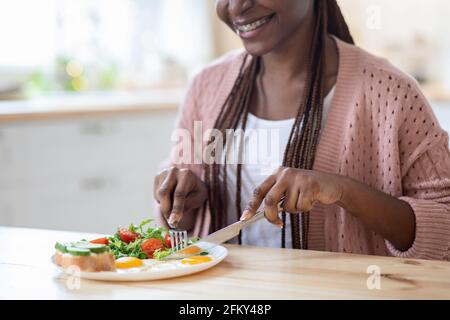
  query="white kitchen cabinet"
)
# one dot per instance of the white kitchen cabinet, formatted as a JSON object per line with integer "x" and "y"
{"x": 87, "y": 174}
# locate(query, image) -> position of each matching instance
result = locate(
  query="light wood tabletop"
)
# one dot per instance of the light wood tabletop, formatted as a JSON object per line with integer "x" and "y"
{"x": 247, "y": 273}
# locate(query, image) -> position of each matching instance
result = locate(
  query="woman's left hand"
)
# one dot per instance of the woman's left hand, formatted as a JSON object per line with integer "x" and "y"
{"x": 298, "y": 190}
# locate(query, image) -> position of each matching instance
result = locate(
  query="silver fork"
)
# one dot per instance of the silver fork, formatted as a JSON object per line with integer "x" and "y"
{"x": 178, "y": 239}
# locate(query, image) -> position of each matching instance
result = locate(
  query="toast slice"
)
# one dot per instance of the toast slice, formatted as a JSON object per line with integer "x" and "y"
{"x": 87, "y": 257}
{"x": 92, "y": 263}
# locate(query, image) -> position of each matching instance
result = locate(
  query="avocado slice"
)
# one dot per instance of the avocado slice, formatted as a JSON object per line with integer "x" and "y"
{"x": 60, "y": 247}
{"x": 78, "y": 251}
{"x": 81, "y": 248}
{"x": 92, "y": 247}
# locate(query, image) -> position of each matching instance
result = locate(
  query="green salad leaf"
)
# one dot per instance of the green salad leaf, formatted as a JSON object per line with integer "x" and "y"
{"x": 133, "y": 249}
{"x": 159, "y": 254}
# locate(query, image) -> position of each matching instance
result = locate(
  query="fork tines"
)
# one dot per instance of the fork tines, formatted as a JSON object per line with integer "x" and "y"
{"x": 178, "y": 239}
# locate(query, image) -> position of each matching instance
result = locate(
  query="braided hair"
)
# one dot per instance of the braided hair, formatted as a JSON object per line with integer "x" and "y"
{"x": 302, "y": 142}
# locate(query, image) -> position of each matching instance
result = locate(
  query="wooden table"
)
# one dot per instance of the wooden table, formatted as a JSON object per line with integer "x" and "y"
{"x": 247, "y": 273}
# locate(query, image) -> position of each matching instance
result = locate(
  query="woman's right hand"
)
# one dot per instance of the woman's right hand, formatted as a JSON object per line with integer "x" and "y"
{"x": 178, "y": 191}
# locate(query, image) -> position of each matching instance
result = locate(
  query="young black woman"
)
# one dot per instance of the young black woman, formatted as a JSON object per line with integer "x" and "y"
{"x": 364, "y": 167}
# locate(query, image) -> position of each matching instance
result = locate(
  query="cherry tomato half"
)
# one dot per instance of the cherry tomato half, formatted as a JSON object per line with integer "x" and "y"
{"x": 151, "y": 245}
{"x": 167, "y": 240}
{"x": 127, "y": 235}
{"x": 100, "y": 241}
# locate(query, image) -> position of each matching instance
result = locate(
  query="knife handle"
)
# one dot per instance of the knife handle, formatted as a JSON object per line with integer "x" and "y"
{"x": 258, "y": 216}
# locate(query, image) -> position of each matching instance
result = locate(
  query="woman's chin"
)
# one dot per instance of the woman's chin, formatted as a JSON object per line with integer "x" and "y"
{"x": 257, "y": 49}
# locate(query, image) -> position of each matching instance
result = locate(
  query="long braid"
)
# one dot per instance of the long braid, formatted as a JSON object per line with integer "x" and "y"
{"x": 302, "y": 143}
{"x": 228, "y": 118}
{"x": 212, "y": 170}
{"x": 304, "y": 152}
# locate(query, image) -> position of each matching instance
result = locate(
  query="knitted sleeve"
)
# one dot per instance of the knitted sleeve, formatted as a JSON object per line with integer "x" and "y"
{"x": 425, "y": 159}
{"x": 183, "y": 131}
{"x": 182, "y": 155}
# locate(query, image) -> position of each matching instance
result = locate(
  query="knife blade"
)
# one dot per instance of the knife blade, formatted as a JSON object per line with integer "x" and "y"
{"x": 216, "y": 238}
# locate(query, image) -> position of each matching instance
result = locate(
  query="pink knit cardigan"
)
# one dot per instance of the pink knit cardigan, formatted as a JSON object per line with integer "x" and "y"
{"x": 380, "y": 130}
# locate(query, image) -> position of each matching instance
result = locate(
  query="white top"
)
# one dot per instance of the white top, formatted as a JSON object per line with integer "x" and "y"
{"x": 264, "y": 145}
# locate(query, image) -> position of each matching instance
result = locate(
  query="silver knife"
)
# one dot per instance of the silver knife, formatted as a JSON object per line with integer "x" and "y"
{"x": 216, "y": 238}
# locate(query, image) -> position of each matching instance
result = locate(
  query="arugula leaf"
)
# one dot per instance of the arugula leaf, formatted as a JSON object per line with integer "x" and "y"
{"x": 140, "y": 228}
{"x": 154, "y": 233}
{"x": 143, "y": 223}
{"x": 159, "y": 254}
{"x": 193, "y": 240}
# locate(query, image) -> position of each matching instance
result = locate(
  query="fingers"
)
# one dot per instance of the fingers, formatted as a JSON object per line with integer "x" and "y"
{"x": 290, "y": 202}
{"x": 305, "y": 200}
{"x": 296, "y": 189}
{"x": 165, "y": 191}
{"x": 182, "y": 190}
{"x": 309, "y": 188}
{"x": 297, "y": 201}
{"x": 271, "y": 201}
{"x": 178, "y": 191}
{"x": 258, "y": 196}
{"x": 156, "y": 183}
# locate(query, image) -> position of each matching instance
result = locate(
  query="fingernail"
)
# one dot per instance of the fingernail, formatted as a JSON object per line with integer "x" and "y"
{"x": 245, "y": 215}
{"x": 280, "y": 224}
{"x": 173, "y": 220}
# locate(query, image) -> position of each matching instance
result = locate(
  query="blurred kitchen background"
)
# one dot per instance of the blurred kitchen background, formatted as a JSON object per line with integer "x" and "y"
{"x": 89, "y": 91}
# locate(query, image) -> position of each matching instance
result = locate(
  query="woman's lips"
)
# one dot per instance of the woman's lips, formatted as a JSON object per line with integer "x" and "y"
{"x": 250, "y": 30}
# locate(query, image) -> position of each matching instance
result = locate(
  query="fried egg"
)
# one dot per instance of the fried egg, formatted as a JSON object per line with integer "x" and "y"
{"x": 190, "y": 250}
{"x": 131, "y": 264}
{"x": 128, "y": 262}
{"x": 196, "y": 260}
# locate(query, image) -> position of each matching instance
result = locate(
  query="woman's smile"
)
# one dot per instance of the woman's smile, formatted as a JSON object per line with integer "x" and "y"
{"x": 250, "y": 29}
{"x": 265, "y": 26}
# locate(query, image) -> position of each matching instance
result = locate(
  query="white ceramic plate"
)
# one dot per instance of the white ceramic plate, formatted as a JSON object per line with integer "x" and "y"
{"x": 155, "y": 270}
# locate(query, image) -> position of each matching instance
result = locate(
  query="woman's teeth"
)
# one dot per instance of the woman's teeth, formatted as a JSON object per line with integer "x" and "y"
{"x": 252, "y": 26}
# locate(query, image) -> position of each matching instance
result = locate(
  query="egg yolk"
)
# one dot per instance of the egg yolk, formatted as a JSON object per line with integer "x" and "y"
{"x": 190, "y": 250}
{"x": 196, "y": 260}
{"x": 128, "y": 262}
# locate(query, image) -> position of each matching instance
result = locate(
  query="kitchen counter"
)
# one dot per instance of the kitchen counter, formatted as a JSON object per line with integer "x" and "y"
{"x": 88, "y": 104}
{"x": 247, "y": 273}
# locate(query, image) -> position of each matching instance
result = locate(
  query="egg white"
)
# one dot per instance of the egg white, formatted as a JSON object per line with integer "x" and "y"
{"x": 156, "y": 265}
